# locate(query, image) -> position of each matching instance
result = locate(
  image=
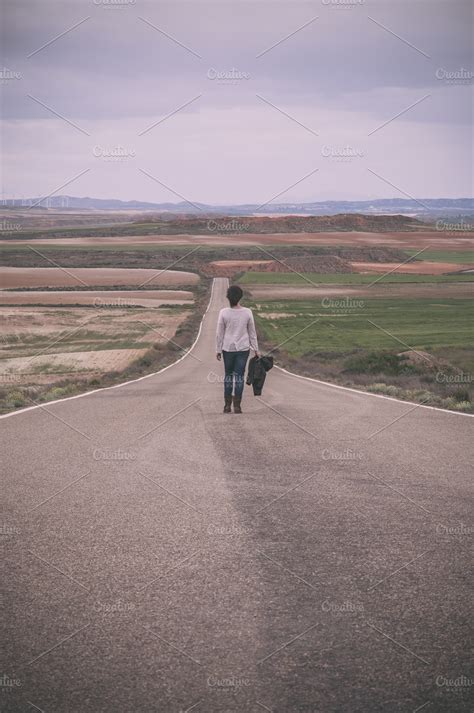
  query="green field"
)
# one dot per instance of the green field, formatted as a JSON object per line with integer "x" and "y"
{"x": 352, "y": 278}
{"x": 379, "y": 324}
{"x": 463, "y": 257}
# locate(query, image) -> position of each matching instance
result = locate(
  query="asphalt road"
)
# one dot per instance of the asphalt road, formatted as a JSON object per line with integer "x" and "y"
{"x": 309, "y": 555}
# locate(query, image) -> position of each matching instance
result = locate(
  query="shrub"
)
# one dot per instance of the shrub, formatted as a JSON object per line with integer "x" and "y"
{"x": 16, "y": 398}
{"x": 379, "y": 363}
{"x": 461, "y": 395}
{"x": 387, "y": 389}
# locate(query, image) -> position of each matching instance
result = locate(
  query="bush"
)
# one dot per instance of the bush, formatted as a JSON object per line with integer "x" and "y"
{"x": 379, "y": 363}
{"x": 461, "y": 395}
{"x": 16, "y": 398}
{"x": 387, "y": 389}
{"x": 463, "y": 406}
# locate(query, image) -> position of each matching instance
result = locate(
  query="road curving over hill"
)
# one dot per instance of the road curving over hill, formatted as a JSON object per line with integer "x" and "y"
{"x": 309, "y": 555}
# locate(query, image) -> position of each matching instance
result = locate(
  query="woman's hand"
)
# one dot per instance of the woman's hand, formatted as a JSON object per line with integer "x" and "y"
{"x": 218, "y": 356}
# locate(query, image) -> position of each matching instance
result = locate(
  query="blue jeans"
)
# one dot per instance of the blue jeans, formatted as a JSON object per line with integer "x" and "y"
{"x": 234, "y": 363}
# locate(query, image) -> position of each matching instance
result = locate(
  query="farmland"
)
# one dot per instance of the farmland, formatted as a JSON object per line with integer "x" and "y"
{"x": 293, "y": 278}
{"x": 89, "y": 305}
{"x": 420, "y": 349}
{"x": 341, "y": 325}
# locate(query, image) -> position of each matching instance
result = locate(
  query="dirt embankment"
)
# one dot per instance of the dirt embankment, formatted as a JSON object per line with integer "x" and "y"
{"x": 411, "y": 268}
{"x": 292, "y": 224}
{"x": 338, "y": 262}
{"x": 18, "y": 277}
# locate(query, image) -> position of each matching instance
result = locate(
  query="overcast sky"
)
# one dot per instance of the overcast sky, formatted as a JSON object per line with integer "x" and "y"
{"x": 310, "y": 117}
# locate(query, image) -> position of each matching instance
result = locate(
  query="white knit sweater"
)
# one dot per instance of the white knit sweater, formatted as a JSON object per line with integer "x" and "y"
{"x": 236, "y": 330}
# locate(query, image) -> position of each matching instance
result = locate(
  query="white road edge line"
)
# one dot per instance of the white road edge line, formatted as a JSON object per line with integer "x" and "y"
{"x": 124, "y": 383}
{"x": 280, "y": 368}
{"x": 368, "y": 393}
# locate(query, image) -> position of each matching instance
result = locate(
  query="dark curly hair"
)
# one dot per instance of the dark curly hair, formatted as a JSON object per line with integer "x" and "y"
{"x": 234, "y": 295}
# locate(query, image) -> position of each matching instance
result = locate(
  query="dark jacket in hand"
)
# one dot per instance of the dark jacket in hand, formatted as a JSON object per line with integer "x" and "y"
{"x": 257, "y": 371}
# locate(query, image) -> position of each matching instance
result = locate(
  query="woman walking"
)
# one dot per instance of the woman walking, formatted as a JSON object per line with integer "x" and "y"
{"x": 235, "y": 337}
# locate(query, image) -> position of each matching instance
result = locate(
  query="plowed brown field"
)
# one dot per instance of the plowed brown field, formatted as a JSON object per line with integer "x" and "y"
{"x": 14, "y": 277}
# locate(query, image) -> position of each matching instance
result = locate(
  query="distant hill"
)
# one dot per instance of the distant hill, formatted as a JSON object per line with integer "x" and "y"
{"x": 288, "y": 224}
{"x": 428, "y": 208}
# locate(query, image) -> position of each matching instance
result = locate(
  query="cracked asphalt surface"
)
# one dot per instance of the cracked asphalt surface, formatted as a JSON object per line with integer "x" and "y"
{"x": 310, "y": 555}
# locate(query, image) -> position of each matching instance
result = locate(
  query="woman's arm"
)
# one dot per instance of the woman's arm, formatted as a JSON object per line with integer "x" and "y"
{"x": 220, "y": 331}
{"x": 252, "y": 333}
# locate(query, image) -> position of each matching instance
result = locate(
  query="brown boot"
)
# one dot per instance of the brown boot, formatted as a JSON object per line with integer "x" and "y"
{"x": 237, "y": 400}
{"x": 227, "y": 403}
